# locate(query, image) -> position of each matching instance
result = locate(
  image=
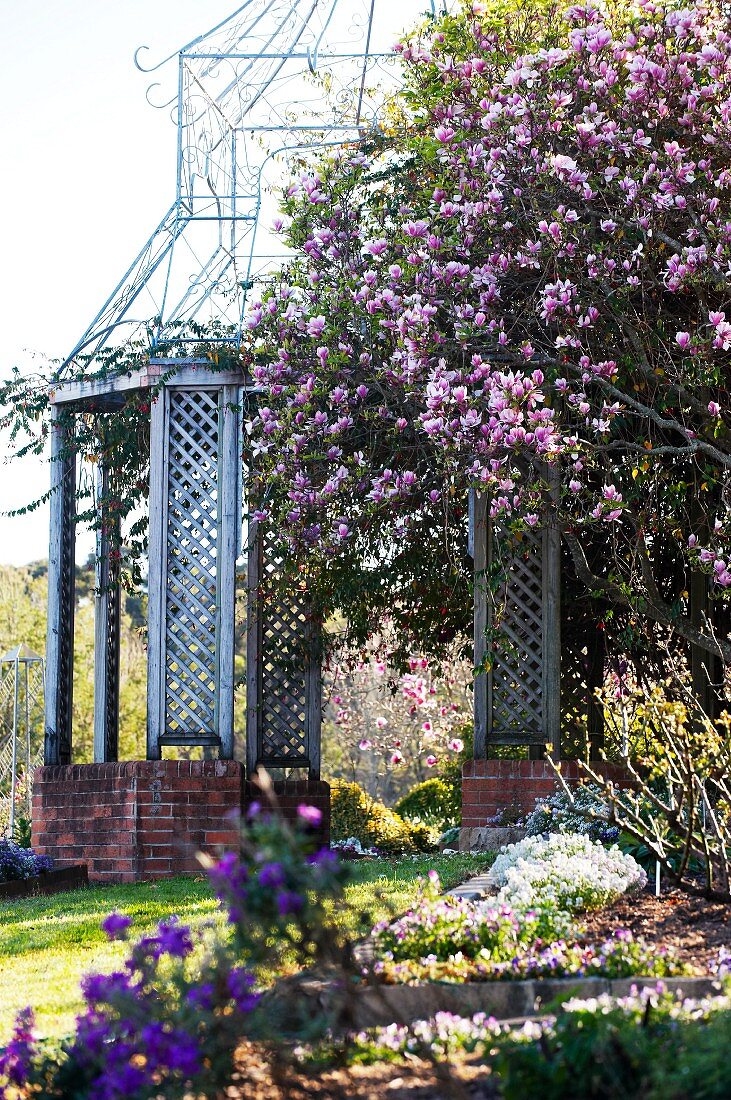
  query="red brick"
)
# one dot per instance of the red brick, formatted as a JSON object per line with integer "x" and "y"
{"x": 228, "y": 837}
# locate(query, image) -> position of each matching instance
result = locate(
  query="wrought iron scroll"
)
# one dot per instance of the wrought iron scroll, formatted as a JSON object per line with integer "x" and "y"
{"x": 283, "y": 692}
{"x": 106, "y": 624}
{"x": 517, "y": 694}
{"x": 195, "y": 513}
{"x": 61, "y": 592}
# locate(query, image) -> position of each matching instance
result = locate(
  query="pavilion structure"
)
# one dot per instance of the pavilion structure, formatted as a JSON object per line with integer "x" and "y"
{"x": 147, "y": 818}
{"x": 246, "y": 94}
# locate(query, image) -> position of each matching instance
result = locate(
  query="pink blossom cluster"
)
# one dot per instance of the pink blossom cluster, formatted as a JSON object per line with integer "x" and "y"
{"x": 414, "y": 723}
{"x": 715, "y": 562}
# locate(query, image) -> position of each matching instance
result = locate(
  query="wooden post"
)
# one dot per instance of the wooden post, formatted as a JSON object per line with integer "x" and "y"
{"x": 106, "y": 627}
{"x": 61, "y": 592}
{"x": 595, "y": 649}
{"x": 156, "y": 579}
{"x": 479, "y": 540}
{"x": 551, "y": 581}
{"x": 253, "y": 650}
{"x": 313, "y": 699}
{"x": 229, "y": 526}
{"x": 706, "y": 668}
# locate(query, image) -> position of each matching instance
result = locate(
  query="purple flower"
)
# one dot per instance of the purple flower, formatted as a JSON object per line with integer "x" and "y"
{"x": 310, "y": 815}
{"x": 174, "y": 938}
{"x": 17, "y": 1057}
{"x": 271, "y": 875}
{"x": 115, "y": 925}
{"x": 289, "y": 902}
{"x": 240, "y": 984}
{"x": 325, "y": 858}
{"x": 202, "y": 996}
{"x": 99, "y": 989}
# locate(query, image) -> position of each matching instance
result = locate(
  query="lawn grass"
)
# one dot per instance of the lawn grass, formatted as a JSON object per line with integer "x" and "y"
{"x": 48, "y": 943}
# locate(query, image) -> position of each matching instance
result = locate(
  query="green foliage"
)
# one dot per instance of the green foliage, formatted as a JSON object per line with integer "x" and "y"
{"x": 644, "y": 1049}
{"x": 435, "y": 802}
{"x": 23, "y": 602}
{"x": 355, "y": 813}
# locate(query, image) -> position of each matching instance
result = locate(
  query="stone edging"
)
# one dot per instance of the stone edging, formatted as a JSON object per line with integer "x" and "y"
{"x": 378, "y": 1006}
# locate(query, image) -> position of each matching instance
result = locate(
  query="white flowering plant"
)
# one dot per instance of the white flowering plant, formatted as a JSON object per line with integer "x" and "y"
{"x": 586, "y": 811}
{"x": 568, "y": 871}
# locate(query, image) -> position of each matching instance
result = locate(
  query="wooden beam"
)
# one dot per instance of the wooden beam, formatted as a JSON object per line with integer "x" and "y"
{"x": 106, "y": 628}
{"x": 253, "y": 650}
{"x": 168, "y": 372}
{"x": 551, "y": 591}
{"x": 313, "y": 697}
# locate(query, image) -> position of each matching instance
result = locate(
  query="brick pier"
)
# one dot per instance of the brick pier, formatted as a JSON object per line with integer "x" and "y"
{"x": 489, "y": 786}
{"x": 148, "y": 819}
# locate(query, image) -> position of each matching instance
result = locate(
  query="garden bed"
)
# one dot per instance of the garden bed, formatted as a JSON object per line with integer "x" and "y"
{"x": 50, "y": 882}
{"x": 696, "y": 928}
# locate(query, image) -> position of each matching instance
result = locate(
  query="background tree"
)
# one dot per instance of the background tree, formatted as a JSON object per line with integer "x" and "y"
{"x": 523, "y": 286}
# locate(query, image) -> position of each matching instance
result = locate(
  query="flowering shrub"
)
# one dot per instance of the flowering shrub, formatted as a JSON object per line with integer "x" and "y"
{"x": 355, "y": 814}
{"x": 279, "y": 892}
{"x": 390, "y": 729}
{"x": 442, "y": 927}
{"x": 443, "y": 1035}
{"x": 588, "y": 814}
{"x": 532, "y": 270}
{"x": 567, "y": 870}
{"x": 169, "y": 1020}
{"x": 648, "y": 1046}
{"x": 17, "y": 862}
{"x": 351, "y": 848}
{"x": 620, "y": 957}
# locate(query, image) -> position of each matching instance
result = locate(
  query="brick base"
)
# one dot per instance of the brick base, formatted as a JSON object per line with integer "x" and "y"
{"x": 137, "y": 820}
{"x": 490, "y": 786}
{"x": 148, "y": 819}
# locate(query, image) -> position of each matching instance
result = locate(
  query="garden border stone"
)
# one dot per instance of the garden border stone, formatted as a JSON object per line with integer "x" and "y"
{"x": 489, "y": 838}
{"x": 381, "y": 1005}
{"x": 50, "y": 882}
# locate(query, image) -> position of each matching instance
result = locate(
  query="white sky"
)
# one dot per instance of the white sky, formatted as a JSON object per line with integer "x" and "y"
{"x": 88, "y": 171}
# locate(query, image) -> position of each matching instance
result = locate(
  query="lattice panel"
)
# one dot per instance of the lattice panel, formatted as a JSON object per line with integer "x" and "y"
{"x": 191, "y": 590}
{"x": 517, "y": 672}
{"x": 67, "y": 585}
{"x": 285, "y": 642}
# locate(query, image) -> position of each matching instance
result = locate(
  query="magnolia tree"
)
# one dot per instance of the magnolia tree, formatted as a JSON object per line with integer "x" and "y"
{"x": 388, "y": 731}
{"x": 520, "y": 285}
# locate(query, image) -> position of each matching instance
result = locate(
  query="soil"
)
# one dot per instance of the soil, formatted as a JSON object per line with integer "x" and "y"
{"x": 696, "y": 928}
{"x": 465, "y": 1079}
